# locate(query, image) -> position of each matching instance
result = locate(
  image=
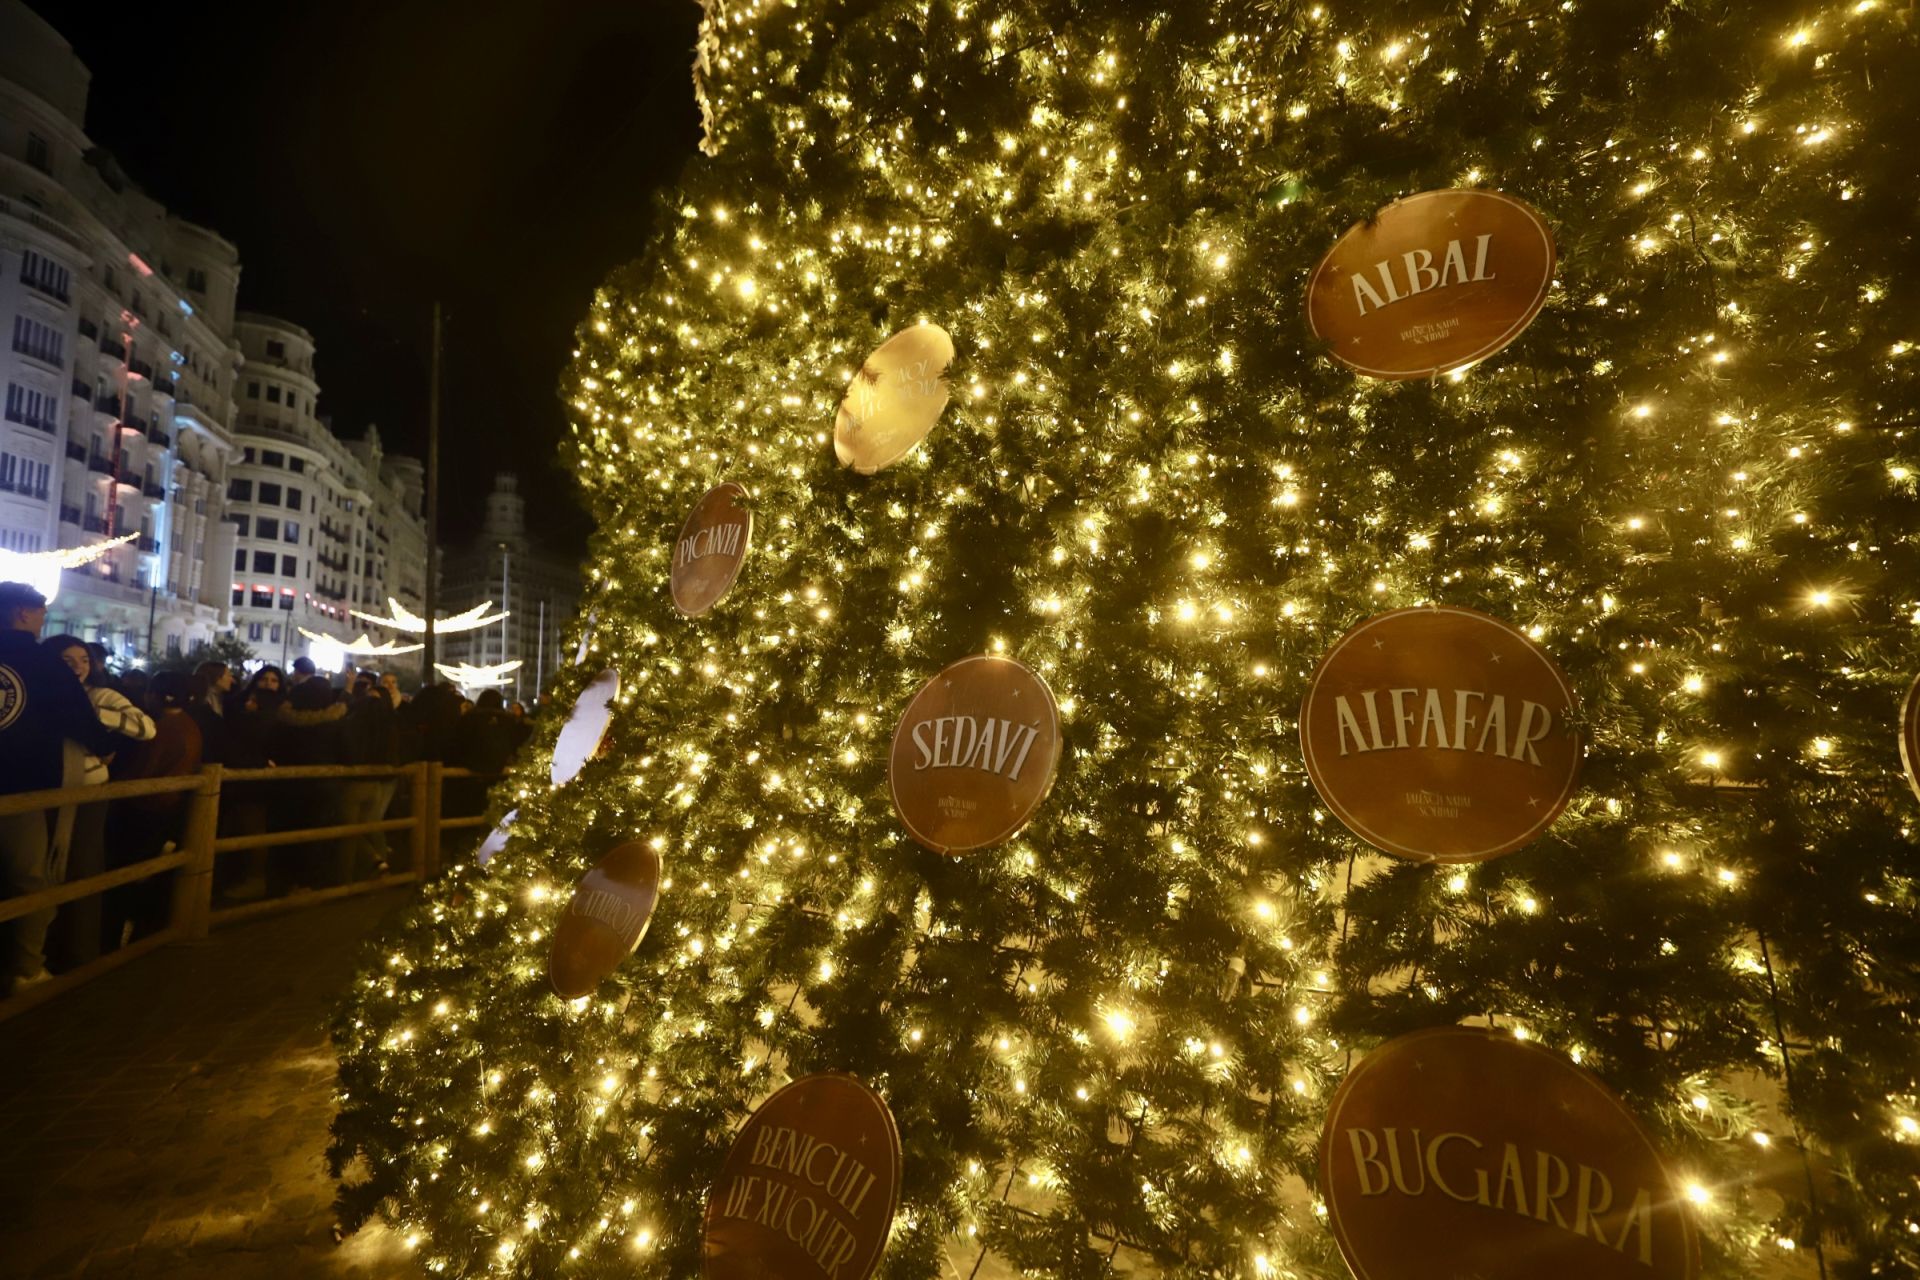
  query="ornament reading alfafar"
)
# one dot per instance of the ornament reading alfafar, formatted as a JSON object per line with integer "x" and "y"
{"x": 1439, "y": 734}
{"x": 809, "y": 1189}
{"x": 1463, "y": 1151}
{"x": 605, "y": 920}
{"x": 894, "y": 399}
{"x": 1434, "y": 282}
{"x": 974, "y": 754}
{"x": 710, "y": 549}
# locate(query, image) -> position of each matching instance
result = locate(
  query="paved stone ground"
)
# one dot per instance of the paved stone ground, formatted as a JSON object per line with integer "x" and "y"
{"x": 170, "y": 1118}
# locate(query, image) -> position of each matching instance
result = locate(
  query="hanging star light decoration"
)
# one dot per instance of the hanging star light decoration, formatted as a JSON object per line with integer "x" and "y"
{"x": 404, "y": 619}
{"x": 41, "y": 569}
{"x": 468, "y": 676}
{"x": 364, "y": 647}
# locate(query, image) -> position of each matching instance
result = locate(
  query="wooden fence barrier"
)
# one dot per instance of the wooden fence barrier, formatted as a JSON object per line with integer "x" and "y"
{"x": 191, "y": 912}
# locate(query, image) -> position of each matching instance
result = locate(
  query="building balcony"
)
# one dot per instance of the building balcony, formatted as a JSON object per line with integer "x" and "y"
{"x": 47, "y": 426}
{"x": 97, "y": 463}
{"x": 44, "y": 290}
{"x": 25, "y": 491}
{"x": 93, "y": 524}
{"x": 76, "y": 451}
{"x": 89, "y": 330}
{"x": 69, "y": 515}
{"x": 158, "y": 492}
{"x": 82, "y": 390}
{"x": 34, "y": 217}
{"x": 113, "y": 347}
{"x": 163, "y": 385}
{"x": 160, "y": 436}
{"x": 147, "y": 544}
{"x": 140, "y": 369}
{"x": 107, "y": 402}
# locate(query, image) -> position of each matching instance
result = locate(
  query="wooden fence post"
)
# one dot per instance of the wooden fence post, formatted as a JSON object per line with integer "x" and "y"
{"x": 429, "y": 788}
{"x": 193, "y": 883}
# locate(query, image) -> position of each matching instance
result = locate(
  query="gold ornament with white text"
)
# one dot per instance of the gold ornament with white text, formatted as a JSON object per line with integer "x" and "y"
{"x": 711, "y": 548}
{"x": 894, "y": 399}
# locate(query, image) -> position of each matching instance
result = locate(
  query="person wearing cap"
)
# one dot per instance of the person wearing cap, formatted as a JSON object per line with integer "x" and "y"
{"x": 41, "y": 707}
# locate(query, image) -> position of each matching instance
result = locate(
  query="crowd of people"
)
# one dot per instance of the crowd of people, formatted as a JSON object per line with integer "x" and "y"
{"x": 67, "y": 721}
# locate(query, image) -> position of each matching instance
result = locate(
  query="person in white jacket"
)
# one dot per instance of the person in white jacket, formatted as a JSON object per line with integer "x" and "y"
{"x": 79, "y": 834}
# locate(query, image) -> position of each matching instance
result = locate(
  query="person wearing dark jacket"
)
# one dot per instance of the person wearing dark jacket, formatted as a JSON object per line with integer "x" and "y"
{"x": 373, "y": 737}
{"x": 41, "y": 706}
{"x": 307, "y": 731}
{"x": 247, "y": 727}
{"x": 212, "y": 681}
{"x": 144, "y": 826}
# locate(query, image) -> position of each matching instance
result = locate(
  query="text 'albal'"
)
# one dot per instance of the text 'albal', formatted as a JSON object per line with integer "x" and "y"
{"x": 1417, "y": 274}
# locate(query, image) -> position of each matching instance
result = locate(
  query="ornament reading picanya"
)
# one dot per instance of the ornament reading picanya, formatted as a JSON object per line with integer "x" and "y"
{"x": 605, "y": 920}
{"x": 894, "y": 399}
{"x": 1439, "y": 734}
{"x": 809, "y": 1189}
{"x": 1434, "y": 282}
{"x": 1910, "y": 736}
{"x": 710, "y": 549}
{"x": 586, "y": 728}
{"x": 1463, "y": 1151}
{"x": 974, "y": 754}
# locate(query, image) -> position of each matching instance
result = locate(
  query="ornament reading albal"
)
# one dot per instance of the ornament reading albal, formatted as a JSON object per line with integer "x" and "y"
{"x": 974, "y": 755}
{"x": 605, "y": 920}
{"x": 1463, "y": 1151}
{"x": 809, "y": 1189}
{"x": 1434, "y": 282}
{"x": 710, "y": 549}
{"x": 1440, "y": 735}
{"x": 894, "y": 399}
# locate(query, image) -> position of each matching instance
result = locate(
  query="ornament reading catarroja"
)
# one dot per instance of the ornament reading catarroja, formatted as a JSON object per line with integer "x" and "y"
{"x": 809, "y": 1189}
{"x": 605, "y": 920}
{"x": 710, "y": 549}
{"x": 894, "y": 399}
{"x": 1440, "y": 735}
{"x": 1435, "y": 282}
{"x": 1461, "y": 1151}
{"x": 974, "y": 755}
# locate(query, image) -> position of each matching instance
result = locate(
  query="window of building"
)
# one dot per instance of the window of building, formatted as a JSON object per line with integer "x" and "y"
{"x": 254, "y": 630}
{"x": 273, "y": 633}
{"x": 297, "y": 465}
{"x": 31, "y": 408}
{"x": 196, "y": 280}
{"x": 39, "y": 155}
{"x": 276, "y": 350}
{"x": 241, "y": 522}
{"x": 293, "y": 498}
{"x": 269, "y": 494}
{"x": 273, "y": 394}
{"x": 31, "y": 338}
{"x": 291, "y": 531}
{"x": 46, "y": 275}
{"x": 263, "y": 562}
{"x": 112, "y": 279}
{"x": 273, "y": 458}
{"x": 253, "y": 393}
{"x": 173, "y": 646}
{"x": 262, "y": 598}
{"x": 239, "y": 594}
{"x": 240, "y": 561}
{"x": 286, "y": 599}
{"x": 288, "y": 567}
{"x": 246, "y": 454}
{"x": 240, "y": 490}
{"x": 293, "y": 401}
{"x": 267, "y": 527}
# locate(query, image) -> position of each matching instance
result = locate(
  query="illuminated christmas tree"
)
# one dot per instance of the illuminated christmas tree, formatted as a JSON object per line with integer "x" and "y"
{"x": 1110, "y": 1040}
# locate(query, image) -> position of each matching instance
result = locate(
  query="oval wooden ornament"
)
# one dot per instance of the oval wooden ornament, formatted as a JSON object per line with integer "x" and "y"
{"x": 1436, "y": 282}
{"x": 809, "y": 1188}
{"x": 605, "y": 921}
{"x": 585, "y": 731}
{"x": 894, "y": 399}
{"x": 1438, "y": 734}
{"x": 1910, "y": 736}
{"x": 711, "y": 548}
{"x": 974, "y": 754}
{"x": 1462, "y": 1151}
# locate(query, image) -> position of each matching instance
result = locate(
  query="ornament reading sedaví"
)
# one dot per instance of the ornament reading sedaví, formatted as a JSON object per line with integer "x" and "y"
{"x": 1462, "y": 1151}
{"x": 1434, "y": 282}
{"x": 1441, "y": 735}
{"x": 894, "y": 399}
{"x": 710, "y": 549}
{"x": 974, "y": 754}
{"x": 809, "y": 1188}
{"x": 605, "y": 921}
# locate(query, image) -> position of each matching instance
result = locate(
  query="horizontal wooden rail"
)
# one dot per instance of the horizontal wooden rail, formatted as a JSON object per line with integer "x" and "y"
{"x": 60, "y": 797}
{"x": 454, "y": 824}
{"x": 12, "y": 908}
{"x": 303, "y": 772}
{"x": 309, "y": 835}
{"x": 310, "y": 898}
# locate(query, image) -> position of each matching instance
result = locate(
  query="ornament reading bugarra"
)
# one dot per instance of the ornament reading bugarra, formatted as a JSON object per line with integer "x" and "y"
{"x": 1462, "y": 1151}
{"x": 1440, "y": 735}
{"x": 605, "y": 920}
{"x": 710, "y": 549}
{"x": 809, "y": 1188}
{"x": 1435, "y": 282}
{"x": 974, "y": 755}
{"x": 894, "y": 399}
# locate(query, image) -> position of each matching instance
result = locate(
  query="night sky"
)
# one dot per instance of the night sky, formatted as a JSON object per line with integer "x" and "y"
{"x": 368, "y": 157}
